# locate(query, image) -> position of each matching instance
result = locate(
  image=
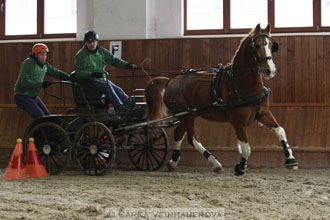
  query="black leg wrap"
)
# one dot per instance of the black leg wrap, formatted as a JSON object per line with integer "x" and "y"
{"x": 176, "y": 155}
{"x": 291, "y": 162}
{"x": 286, "y": 147}
{"x": 240, "y": 168}
{"x": 207, "y": 154}
{"x": 288, "y": 161}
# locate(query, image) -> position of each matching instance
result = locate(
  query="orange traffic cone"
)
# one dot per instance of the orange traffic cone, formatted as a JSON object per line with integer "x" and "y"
{"x": 34, "y": 165}
{"x": 16, "y": 168}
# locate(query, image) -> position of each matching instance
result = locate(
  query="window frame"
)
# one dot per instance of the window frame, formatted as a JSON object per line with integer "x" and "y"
{"x": 271, "y": 20}
{"x": 40, "y": 25}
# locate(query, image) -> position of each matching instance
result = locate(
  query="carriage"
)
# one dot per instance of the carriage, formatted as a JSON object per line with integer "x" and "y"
{"x": 235, "y": 93}
{"x": 91, "y": 133}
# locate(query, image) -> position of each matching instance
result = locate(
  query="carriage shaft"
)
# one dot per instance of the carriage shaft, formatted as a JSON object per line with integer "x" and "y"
{"x": 146, "y": 123}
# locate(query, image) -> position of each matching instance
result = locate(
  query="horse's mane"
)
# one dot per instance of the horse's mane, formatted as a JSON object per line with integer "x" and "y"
{"x": 249, "y": 35}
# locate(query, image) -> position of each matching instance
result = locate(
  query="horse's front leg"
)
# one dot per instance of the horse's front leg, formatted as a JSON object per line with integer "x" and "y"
{"x": 269, "y": 120}
{"x": 243, "y": 148}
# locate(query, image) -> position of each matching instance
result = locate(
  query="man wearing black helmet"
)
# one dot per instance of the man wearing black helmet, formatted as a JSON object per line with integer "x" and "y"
{"x": 90, "y": 62}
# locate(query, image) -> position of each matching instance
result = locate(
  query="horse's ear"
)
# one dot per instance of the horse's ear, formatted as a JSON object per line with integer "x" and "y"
{"x": 267, "y": 29}
{"x": 257, "y": 29}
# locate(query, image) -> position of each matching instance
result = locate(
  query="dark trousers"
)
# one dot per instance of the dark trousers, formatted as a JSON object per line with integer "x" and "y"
{"x": 115, "y": 95}
{"x": 33, "y": 106}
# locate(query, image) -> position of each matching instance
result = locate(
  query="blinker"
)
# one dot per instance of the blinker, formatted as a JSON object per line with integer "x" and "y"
{"x": 275, "y": 47}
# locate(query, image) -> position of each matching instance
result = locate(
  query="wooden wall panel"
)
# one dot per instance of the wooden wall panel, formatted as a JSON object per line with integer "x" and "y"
{"x": 297, "y": 71}
{"x": 301, "y": 76}
{"x": 320, "y": 74}
{"x": 282, "y": 67}
{"x": 291, "y": 83}
{"x": 275, "y": 85}
{"x": 326, "y": 58}
{"x": 13, "y": 122}
{"x": 306, "y": 127}
{"x": 300, "y": 91}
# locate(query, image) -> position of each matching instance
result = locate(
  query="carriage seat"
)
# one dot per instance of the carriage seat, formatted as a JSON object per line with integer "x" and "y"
{"x": 87, "y": 97}
{"x": 91, "y": 93}
{"x": 97, "y": 103}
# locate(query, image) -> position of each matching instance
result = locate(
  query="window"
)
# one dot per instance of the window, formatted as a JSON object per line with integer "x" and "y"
{"x": 205, "y": 16}
{"x": 325, "y": 13}
{"x": 238, "y": 16}
{"x": 60, "y": 16}
{"x": 302, "y": 16}
{"x": 22, "y": 19}
{"x": 246, "y": 14}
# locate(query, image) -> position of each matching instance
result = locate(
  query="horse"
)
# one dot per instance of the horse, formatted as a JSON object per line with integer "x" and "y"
{"x": 233, "y": 93}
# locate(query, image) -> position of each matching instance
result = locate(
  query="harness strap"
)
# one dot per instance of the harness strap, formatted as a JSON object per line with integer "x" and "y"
{"x": 218, "y": 103}
{"x": 265, "y": 59}
{"x": 258, "y": 111}
{"x": 215, "y": 85}
{"x": 247, "y": 101}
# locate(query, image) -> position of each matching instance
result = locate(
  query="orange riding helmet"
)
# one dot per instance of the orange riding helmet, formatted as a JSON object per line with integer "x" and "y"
{"x": 39, "y": 48}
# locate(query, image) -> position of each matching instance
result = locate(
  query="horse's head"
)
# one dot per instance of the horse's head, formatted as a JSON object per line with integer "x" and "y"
{"x": 263, "y": 46}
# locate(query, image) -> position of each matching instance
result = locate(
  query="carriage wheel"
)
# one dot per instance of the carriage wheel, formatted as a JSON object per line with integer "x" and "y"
{"x": 94, "y": 148}
{"x": 53, "y": 145}
{"x": 149, "y": 149}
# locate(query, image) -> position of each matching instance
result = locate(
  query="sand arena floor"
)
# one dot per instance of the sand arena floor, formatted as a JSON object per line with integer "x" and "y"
{"x": 260, "y": 194}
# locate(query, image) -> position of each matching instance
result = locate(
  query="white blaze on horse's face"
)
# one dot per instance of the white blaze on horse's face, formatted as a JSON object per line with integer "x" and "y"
{"x": 270, "y": 62}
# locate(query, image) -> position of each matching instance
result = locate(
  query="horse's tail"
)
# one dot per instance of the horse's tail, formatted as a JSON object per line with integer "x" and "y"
{"x": 154, "y": 93}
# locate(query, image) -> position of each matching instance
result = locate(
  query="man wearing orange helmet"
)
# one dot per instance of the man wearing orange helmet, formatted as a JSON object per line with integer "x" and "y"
{"x": 31, "y": 79}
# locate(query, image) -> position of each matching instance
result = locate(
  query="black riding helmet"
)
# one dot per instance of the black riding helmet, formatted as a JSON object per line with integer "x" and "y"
{"x": 91, "y": 36}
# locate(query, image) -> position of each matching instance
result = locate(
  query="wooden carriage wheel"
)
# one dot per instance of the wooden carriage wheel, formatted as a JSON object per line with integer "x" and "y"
{"x": 94, "y": 148}
{"x": 148, "y": 149}
{"x": 53, "y": 145}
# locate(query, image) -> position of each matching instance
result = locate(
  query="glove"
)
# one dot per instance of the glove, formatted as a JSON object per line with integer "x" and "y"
{"x": 97, "y": 74}
{"x": 45, "y": 84}
{"x": 131, "y": 66}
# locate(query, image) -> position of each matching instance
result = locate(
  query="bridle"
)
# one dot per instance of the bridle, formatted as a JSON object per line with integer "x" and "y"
{"x": 255, "y": 46}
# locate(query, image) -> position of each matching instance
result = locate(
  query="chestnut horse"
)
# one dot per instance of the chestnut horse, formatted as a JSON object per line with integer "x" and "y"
{"x": 235, "y": 94}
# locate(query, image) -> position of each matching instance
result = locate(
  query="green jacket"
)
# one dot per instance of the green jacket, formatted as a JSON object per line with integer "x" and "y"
{"x": 87, "y": 62}
{"x": 31, "y": 76}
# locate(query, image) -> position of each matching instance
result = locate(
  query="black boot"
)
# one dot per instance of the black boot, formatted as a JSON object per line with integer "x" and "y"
{"x": 139, "y": 112}
{"x": 136, "y": 112}
{"x": 126, "y": 107}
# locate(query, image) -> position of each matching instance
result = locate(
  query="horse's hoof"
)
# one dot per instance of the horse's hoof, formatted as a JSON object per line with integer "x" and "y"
{"x": 238, "y": 171}
{"x": 218, "y": 170}
{"x": 291, "y": 162}
{"x": 292, "y": 167}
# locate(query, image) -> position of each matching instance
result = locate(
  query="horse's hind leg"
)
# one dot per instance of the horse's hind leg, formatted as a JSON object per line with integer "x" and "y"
{"x": 269, "y": 120}
{"x": 179, "y": 134}
{"x": 193, "y": 140}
